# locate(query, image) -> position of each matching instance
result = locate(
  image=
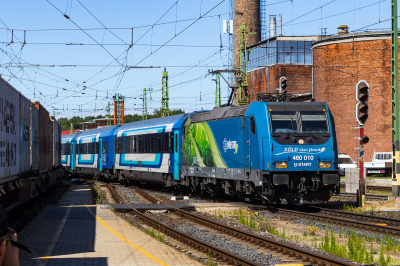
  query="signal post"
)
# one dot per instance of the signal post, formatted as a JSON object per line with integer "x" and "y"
{"x": 362, "y": 94}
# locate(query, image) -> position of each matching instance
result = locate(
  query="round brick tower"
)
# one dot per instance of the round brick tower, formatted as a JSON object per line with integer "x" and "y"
{"x": 249, "y": 11}
{"x": 339, "y": 63}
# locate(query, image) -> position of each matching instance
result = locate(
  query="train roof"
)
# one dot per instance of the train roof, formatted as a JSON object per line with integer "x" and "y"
{"x": 69, "y": 136}
{"x": 98, "y": 130}
{"x": 296, "y": 103}
{"x": 152, "y": 122}
{"x": 297, "y": 106}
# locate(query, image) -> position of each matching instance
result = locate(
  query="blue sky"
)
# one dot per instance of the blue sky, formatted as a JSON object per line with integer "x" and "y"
{"x": 68, "y": 71}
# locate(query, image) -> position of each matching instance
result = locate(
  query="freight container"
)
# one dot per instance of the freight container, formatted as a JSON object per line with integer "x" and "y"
{"x": 10, "y": 132}
{"x": 34, "y": 138}
{"x": 59, "y": 146}
{"x": 25, "y": 162}
{"x": 56, "y": 142}
{"x": 45, "y": 150}
{"x": 51, "y": 127}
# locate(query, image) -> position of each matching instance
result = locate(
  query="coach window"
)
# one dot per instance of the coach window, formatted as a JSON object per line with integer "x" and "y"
{"x": 120, "y": 145}
{"x": 133, "y": 144}
{"x": 139, "y": 144}
{"x": 165, "y": 142}
{"x": 82, "y": 148}
{"x": 90, "y": 148}
{"x": 152, "y": 143}
{"x": 145, "y": 143}
{"x": 159, "y": 143}
{"x": 97, "y": 147}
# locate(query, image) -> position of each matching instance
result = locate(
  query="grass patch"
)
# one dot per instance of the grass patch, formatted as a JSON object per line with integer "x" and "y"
{"x": 358, "y": 248}
{"x": 159, "y": 236}
{"x": 376, "y": 192}
{"x": 96, "y": 194}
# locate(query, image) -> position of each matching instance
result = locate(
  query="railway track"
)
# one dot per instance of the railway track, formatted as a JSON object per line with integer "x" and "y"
{"x": 220, "y": 254}
{"x": 367, "y": 196}
{"x": 348, "y": 219}
{"x": 375, "y": 188}
{"x": 300, "y": 253}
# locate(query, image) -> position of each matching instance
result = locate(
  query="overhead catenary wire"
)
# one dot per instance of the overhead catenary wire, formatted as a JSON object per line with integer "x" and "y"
{"x": 85, "y": 32}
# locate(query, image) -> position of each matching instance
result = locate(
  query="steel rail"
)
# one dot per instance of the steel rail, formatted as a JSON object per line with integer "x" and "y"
{"x": 364, "y": 217}
{"x": 367, "y": 196}
{"x": 287, "y": 249}
{"x": 351, "y": 220}
{"x": 376, "y": 188}
{"x": 218, "y": 253}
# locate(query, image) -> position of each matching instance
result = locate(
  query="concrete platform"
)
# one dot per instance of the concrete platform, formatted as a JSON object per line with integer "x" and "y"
{"x": 75, "y": 232}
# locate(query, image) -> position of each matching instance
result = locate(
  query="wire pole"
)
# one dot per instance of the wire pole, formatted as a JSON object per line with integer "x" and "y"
{"x": 165, "y": 94}
{"x": 144, "y": 104}
{"x": 218, "y": 91}
{"x": 395, "y": 104}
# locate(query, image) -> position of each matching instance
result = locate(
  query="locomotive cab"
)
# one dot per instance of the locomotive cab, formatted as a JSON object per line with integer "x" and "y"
{"x": 302, "y": 166}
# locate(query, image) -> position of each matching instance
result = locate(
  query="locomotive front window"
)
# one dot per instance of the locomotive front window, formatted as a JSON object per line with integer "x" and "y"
{"x": 314, "y": 121}
{"x": 284, "y": 122}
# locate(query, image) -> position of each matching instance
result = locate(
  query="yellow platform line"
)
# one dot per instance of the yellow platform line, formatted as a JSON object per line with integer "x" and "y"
{"x": 126, "y": 240}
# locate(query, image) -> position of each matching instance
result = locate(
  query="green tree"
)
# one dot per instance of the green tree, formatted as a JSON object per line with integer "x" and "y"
{"x": 64, "y": 123}
{"x": 157, "y": 112}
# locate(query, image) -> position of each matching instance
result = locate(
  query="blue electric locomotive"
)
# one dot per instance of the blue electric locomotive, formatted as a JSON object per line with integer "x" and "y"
{"x": 279, "y": 152}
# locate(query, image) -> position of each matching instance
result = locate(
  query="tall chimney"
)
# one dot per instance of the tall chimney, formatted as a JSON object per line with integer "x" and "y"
{"x": 280, "y": 24}
{"x": 272, "y": 26}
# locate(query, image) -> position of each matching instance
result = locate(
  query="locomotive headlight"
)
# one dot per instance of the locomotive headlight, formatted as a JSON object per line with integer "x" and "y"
{"x": 280, "y": 165}
{"x": 324, "y": 165}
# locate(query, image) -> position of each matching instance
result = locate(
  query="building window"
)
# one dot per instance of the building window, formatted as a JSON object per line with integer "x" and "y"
{"x": 280, "y": 52}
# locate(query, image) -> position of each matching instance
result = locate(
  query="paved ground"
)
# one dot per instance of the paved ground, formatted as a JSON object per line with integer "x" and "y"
{"x": 75, "y": 232}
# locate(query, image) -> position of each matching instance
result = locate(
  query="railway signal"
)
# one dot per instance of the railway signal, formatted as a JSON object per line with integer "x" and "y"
{"x": 362, "y": 89}
{"x": 283, "y": 84}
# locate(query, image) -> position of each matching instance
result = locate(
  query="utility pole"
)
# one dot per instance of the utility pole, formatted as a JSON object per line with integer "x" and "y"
{"x": 72, "y": 128}
{"x": 165, "y": 94}
{"x": 144, "y": 104}
{"x": 108, "y": 115}
{"x": 218, "y": 91}
{"x": 241, "y": 77}
{"x": 395, "y": 104}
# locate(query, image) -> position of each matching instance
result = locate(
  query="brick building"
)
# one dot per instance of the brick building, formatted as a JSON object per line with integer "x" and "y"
{"x": 341, "y": 61}
{"x": 288, "y": 56}
{"x": 96, "y": 123}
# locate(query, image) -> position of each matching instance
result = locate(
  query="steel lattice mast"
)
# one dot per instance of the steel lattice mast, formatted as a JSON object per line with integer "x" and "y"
{"x": 165, "y": 95}
{"x": 144, "y": 104}
{"x": 395, "y": 104}
{"x": 217, "y": 91}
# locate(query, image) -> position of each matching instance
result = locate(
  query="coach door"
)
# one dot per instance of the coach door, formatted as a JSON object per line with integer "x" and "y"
{"x": 249, "y": 127}
{"x": 100, "y": 156}
{"x": 73, "y": 155}
{"x": 176, "y": 154}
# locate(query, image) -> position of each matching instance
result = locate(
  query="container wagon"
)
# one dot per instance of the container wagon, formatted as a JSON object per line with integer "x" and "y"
{"x": 26, "y": 152}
